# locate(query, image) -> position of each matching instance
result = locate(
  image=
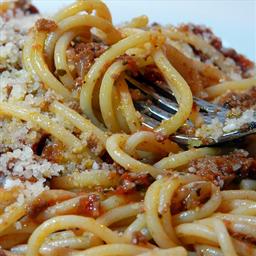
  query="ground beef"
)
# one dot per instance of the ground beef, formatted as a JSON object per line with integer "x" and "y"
{"x": 197, "y": 75}
{"x": 45, "y": 25}
{"x": 207, "y": 34}
{"x": 42, "y": 202}
{"x": 243, "y": 237}
{"x": 38, "y": 206}
{"x": 18, "y": 6}
{"x": 26, "y": 7}
{"x": 241, "y": 100}
{"x": 84, "y": 55}
{"x": 239, "y": 236}
{"x": 221, "y": 170}
{"x": 187, "y": 130}
{"x": 130, "y": 183}
{"x": 90, "y": 206}
{"x": 188, "y": 198}
{"x": 52, "y": 151}
{"x": 131, "y": 64}
{"x": 244, "y": 63}
{"x": 202, "y": 56}
{"x": 152, "y": 74}
{"x": 2, "y": 253}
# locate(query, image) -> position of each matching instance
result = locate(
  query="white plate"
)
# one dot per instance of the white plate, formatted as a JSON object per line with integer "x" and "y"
{"x": 234, "y": 21}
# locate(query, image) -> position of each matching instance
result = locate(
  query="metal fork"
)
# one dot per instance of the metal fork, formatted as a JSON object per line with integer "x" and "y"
{"x": 160, "y": 104}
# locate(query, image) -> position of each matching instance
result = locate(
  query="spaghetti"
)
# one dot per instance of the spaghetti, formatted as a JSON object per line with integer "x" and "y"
{"x": 81, "y": 175}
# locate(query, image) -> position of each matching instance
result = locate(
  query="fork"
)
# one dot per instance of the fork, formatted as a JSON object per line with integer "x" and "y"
{"x": 162, "y": 105}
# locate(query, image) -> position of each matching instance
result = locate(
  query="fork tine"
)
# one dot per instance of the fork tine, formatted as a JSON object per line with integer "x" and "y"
{"x": 227, "y": 137}
{"x": 179, "y": 138}
{"x": 151, "y": 93}
{"x": 168, "y": 101}
{"x": 152, "y": 111}
{"x": 238, "y": 133}
{"x": 207, "y": 117}
{"x": 185, "y": 139}
{"x": 153, "y": 115}
{"x": 167, "y": 105}
{"x": 149, "y": 122}
{"x": 204, "y": 105}
{"x": 160, "y": 106}
{"x": 208, "y": 107}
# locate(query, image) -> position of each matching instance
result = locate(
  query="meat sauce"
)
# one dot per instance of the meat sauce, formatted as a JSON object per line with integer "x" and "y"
{"x": 239, "y": 236}
{"x": 130, "y": 183}
{"x": 221, "y": 170}
{"x": 240, "y": 60}
{"x": 45, "y": 25}
{"x": 83, "y": 54}
{"x": 2, "y": 253}
{"x": 90, "y": 206}
{"x": 22, "y": 5}
{"x": 53, "y": 152}
{"x": 241, "y": 100}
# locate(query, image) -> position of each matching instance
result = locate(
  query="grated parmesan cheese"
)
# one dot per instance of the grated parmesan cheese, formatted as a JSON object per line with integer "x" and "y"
{"x": 12, "y": 37}
{"x": 232, "y": 124}
{"x": 213, "y": 130}
{"x": 28, "y": 190}
{"x": 23, "y": 163}
{"x": 216, "y": 129}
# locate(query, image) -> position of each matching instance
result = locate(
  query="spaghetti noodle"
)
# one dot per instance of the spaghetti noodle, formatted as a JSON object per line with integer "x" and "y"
{"x": 81, "y": 175}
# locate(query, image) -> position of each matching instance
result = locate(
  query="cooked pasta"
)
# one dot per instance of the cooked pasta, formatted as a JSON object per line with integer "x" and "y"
{"x": 81, "y": 174}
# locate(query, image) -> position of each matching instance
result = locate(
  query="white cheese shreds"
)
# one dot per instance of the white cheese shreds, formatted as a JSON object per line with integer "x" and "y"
{"x": 217, "y": 129}
{"x": 213, "y": 130}
{"x": 15, "y": 134}
{"x": 19, "y": 166}
{"x": 9, "y": 54}
{"x": 28, "y": 190}
{"x": 232, "y": 124}
{"x": 32, "y": 190}
{"x": 14, "y": 81}
{"x": 18, "y": 86}
{"x": 12, "y": 37}
{"x": 23, "y": 163}
{"x": 10, "y": 183}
